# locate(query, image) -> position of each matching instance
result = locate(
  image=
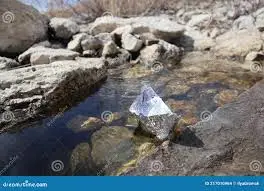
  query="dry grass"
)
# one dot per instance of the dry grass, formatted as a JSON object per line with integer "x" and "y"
{"x": 126, "y": 8}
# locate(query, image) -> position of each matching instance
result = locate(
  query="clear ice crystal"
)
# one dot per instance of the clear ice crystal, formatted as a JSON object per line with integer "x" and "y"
{"x": 148, "y": 104}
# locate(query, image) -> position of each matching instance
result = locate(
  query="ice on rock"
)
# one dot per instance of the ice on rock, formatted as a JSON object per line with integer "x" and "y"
{"x": 148, "y": 104}
{"x": 154, "y": 115}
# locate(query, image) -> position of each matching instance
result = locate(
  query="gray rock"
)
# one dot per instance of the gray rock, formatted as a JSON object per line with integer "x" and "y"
{"x": 7, "y": 63}
{"x": 244, "y": 22}
{"x": 33, "y": 91}
{"x": 91, "y": 43}
{"x": 110, "y": 49}
{"x": 131, "y": 43}
{"x": 231, "y": 143}
{"x": 42, "y": 55}
{"x": 21, "y": 27}
{"x": 75, "y": 43}
{"x": 260, "y": 22}
{"x": 195, "y": 40}
{"x": 123, "y": 57}
{"x": 238, "y": 43}
{"x": 104, "y": 37}
{"x": 163, "y": 53}
{"x": 64, "y": 28}
{"x": 123, "y": 29}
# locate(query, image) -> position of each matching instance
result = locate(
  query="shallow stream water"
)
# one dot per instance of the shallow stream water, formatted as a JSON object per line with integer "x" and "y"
{"x": 189, "y": 90}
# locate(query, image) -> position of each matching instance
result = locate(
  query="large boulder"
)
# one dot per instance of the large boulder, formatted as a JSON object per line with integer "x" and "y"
{"x": 231, "y": 142}
{"x": 42, "y": 55}
{"x": 63, "y": 28}
{"x": 238, "y": 43}
{"x": 21, "y": 26}
{"x": 27, "y": 92}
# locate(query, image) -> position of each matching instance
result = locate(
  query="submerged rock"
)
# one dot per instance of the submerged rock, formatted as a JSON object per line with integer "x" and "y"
{"x": 154, "y": 115}
{"x": 112, "y": 146}
{"x": 81, "y": 160}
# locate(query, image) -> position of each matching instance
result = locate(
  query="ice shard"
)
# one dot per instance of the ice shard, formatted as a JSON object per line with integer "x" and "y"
{"x": 154, "y": 115}
{"x": 148, "y": 104}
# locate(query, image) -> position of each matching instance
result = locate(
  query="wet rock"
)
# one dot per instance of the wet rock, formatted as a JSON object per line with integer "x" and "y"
{"x": 110, "y": 49}
{"x": 132, "y": 121}
{"x": 75, "y": 44}
{"x": 131, "y": 43}
{"x": 238, "y": 43}
{"x": 231, "y": 143}
{"x": 46, "y": 89}
{"x": 91, "y": 122}
{"x": 7, "y": 63}
{"x": 154, "y": 115}
{"x": 21, "y": 27}
{"x": 81, "y": 160}
{"x": 225, "y": 96}
{"x": 112, "y": 146}
{"x": 244, "y": 22}
{"x": 63, "y": 28}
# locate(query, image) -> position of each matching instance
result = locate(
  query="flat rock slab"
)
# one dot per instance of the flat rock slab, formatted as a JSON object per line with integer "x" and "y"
{"x": 231, "y": 143}
{"x": 160, "y": 26}
{"x": 28, "y": 92}
{"x": 42, "y": 55}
